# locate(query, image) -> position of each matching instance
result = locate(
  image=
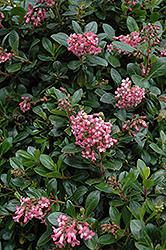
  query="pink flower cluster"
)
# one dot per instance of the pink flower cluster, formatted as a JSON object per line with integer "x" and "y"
{"x": 113, "y": 183}
{"x": 1, "y": 17}
{"x": 35, "y": 14}
{"x": 65, "y": 104}
{"x": 148, "y": 34}
{"x": 49, "y": 3}
{"x": 102, "y": 82}
{"x": 132, "y": 39}
{"x": 91, "y": 131}
{"x": 129, "y": 96}
{"x": 32, "y": 208}
{"x": 18, "y": 173}
{"x": 83, "y": 44}
{"x": 130, "y": 3}
{"x": 144, "y": 70}
{"x": 111, "y": 228}
{"x": 4, "y": 56}
{"x": 67, "y": 231}
{"x": 25, "y": 105}
{"x": 134, "y": 123}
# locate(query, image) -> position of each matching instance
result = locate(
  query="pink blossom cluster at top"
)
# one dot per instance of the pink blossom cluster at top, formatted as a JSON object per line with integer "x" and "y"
{"x": 81, "y": 44}
{"x": 129, "y": 96}
{"x": 130, "y": 3}
{"x": 91, "y": 131}
{"x": 134, "y": 123}
{"x": 4, "y": 56}
{"x": 111, "y": 228}
{"x": 49, "y": 3}
{"x": 25, "y": 105}
{"x": 67, "y": 232}
{"x": 32, "y": 208}
{"x": 35, "y": 14}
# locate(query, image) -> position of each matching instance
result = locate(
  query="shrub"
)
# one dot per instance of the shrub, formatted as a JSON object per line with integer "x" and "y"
{"x": 82, "y": 125}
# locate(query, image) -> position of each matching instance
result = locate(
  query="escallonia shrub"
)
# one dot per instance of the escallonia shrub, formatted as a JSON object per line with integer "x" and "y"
{"x": 82, "y": 125}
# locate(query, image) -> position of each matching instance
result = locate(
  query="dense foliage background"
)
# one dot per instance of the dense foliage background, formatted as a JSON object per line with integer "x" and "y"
{"x": 58, "y": 89}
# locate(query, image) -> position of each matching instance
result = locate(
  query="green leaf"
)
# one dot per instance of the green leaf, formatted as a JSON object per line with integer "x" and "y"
{"x": 123, "y": 46}
{"x": 71, "y": 148}
{"x": 96, "y": 60}
{"x": 93, "y": 243}
{"x": 114, "y": 61}
{"x": 70, "y": 209}
{"x": 74, "y": 65}
{"x": 52, "y": 218}
{"x": 133, "y": 69}
{"x": 108, "y": 30}
{"x": 76, "y": 27}
{"x": 146, "y": 172}
{"x": 21, "y": 136}
{"x": 47, "y": 44}
{"x": 148, "y": 183}
{"x": 136, "y": 227}
{"x": 77, "y": 96}
{"x": 25, "y": 155}
{"x": 76, "y": 161}
{"x": 107, "y": 239}
{"x": 92, "y": 26}
{"x": 114, "y": 214}
{"x": 108, "y": 98}
{"x": 131, "y": 24}
{"x": 6, "y": 145}
{"x": 113, "y": 164}
{"x": 91, "y": 202}
{"x": 116, "y": 76}
{"x": 130, "y": 178}
{"x": 157, "y": 149}
{"x": 140, "y": 81}
{"x": 151, "y": 107}
{"x": 44, "y": 238}
{"x": 14, "y": 67}
{"x": 104, "y": 187}
{"x": 158, "y": 68}
{"x": 81, "y": 190}
{"x": 18, "y": 11}
{"x": 60, "y": 38}
{"x": 54, "y": 174}
{"x": 163, "y": 234}
{"x": 141, "y": 247}
{"x": 47, "y": 161}
{"x": 41, "y": 171}
{"x": 13, "y": 37}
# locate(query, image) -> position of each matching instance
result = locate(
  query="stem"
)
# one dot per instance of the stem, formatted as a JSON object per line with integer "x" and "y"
{"x": 145, "y": 193}
{"x": 100, "y": 164}
{"x": 3, "y": 73}
{"x": 55, "y": 200}
{"x": 122, "y": 195}
{"x": 23, "y": 59}
{"x": 10, "y": 4}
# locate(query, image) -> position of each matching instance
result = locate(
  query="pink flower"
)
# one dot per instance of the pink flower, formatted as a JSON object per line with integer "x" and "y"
{"x": 129, "y": 96}
{"x": 91, "y": 131}
{"x": 83, "y": 44}
{"x": 25, "y": 105}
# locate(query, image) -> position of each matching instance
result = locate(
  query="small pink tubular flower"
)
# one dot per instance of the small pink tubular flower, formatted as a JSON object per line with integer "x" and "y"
{"x": 4, "y": 56}
{"x": 35, "y": 14}
{"x": 130, "y": 3}
{"x": 31, "y": 208}
{"x": 67, "y": 232}
{"x": 83, "y": 44}
{"x": 129, "y": 96}
{"x": 25, "y": 105}
{"x": 134, "y": 123}
{"x": 91, "y": 131}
